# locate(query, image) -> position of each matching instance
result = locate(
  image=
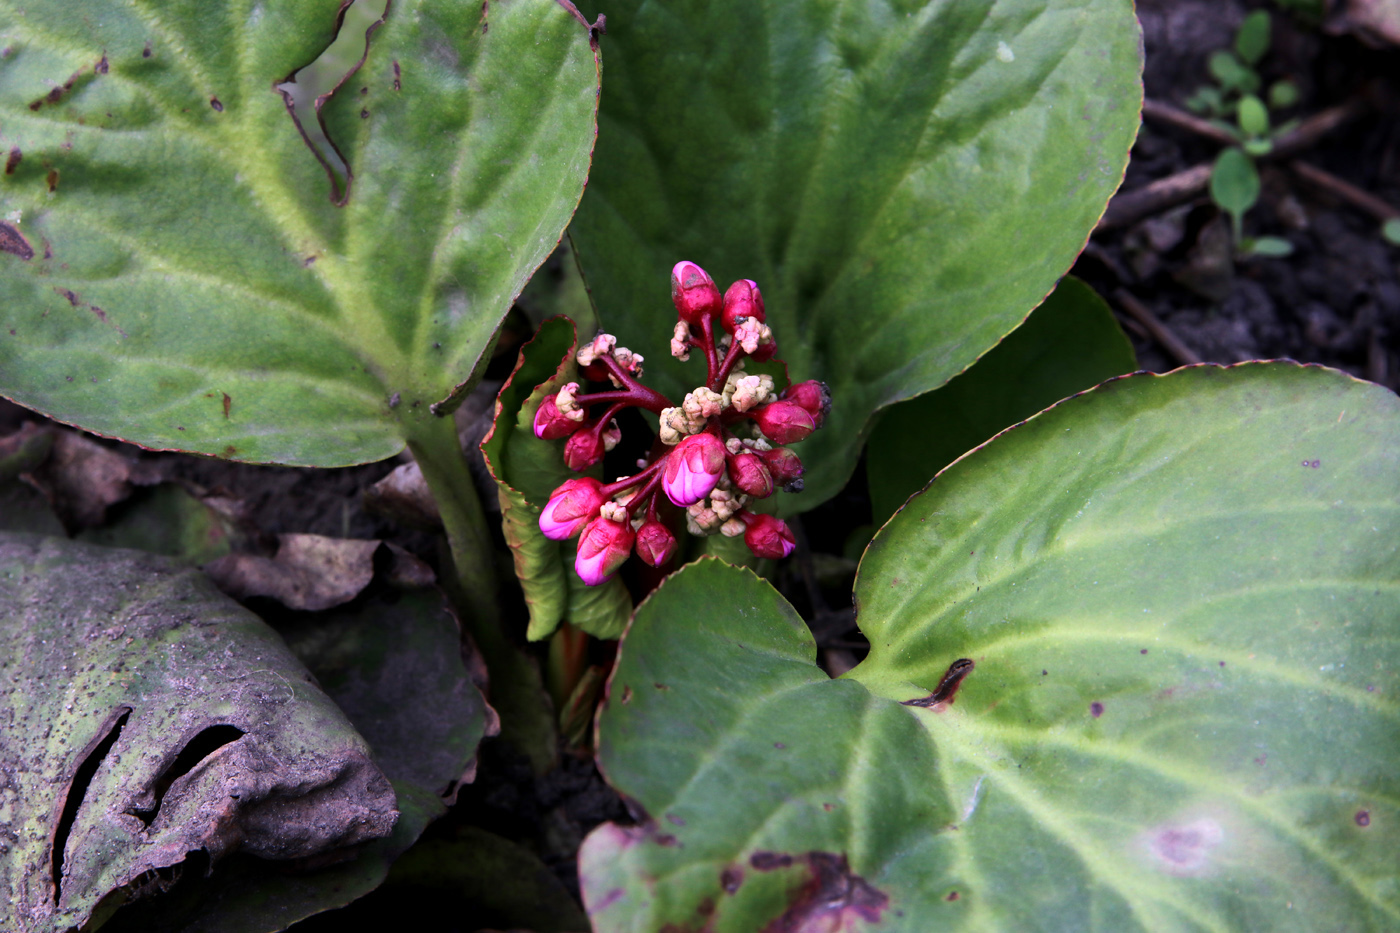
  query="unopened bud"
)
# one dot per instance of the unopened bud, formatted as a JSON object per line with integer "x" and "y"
{"x": 551, "y": 423}
{"x": 814, "y": 396}
{"x": 570, "y": 507}
{"x": 784, "y": 421}
{"x": 748, "y": 472}
{"x": 785, "y": 466}
{"x": 583, "y": 450}
{"x": 769, "y": 537}
{"x": 694, "y": 292}
{"x": 602, "y": 549}
{"x": 742, "y": 300}
{"x": 693, "y": 468}
{"x": 655, "y": 543}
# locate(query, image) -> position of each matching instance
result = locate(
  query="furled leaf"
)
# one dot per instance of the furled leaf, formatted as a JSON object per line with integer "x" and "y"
{"x": 177, "y": 271}
{"x": 905, "y": 180}
{"x": 1178, "y": 595}
{"x": 146, "y": 717}
{"x": 527, "y": 469}
{"x": 1068, "y": 344}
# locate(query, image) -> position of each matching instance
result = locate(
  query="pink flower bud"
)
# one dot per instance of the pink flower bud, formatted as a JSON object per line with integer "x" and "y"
{"x": 769, "y": 537}
{"x": 693, "y": 468}
{"x": 783, "y": 421}
{"x": 570, "y": 507}
{"x": 786, "y": 468}
{"x": 746, "y": 470}
{"x": 551, "y": 423}
{"x": 583, "y": 450}
{"x": 812, "y": 395}
{"x": 655, "y": 543}
{"x": 602, "y": 549}
{"x": 695, "y": 294}
{"x": 743, "y": 299}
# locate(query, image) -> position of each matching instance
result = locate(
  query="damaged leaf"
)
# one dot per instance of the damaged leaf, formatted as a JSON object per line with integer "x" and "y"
{"x": 148, "y": 720}
{"x": 394, "y": 667}
{"x": 905, "y": 180}
{"x": 181, "y": 274}
{"x": 1134, "y": 666}
{"x": 527, "y": 470}
{"x": 309, "y": 572}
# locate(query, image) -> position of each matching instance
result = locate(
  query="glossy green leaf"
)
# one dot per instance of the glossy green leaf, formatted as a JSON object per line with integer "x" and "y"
{"x": 175, "y": 271}
{"x": 144, "y": 716}
{"x": 1070, "y": 343}
{"x": 1234, "y": 185}
{"x": 1253, "y": 116}
{"x": 527, "y": 469}
{"x": 905, "y": 180}
{"x": 1180, "y": 597}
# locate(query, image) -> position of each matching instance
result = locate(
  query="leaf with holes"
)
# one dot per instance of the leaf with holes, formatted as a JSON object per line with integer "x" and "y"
{"x": 144, "y": 716}
{"x": 393, "y": 665}
{"x": 1068, "y": 344}
{"x": 905, "y": 179}
{"x": 1134, "y": 666}
{"x": 179, "y": 271}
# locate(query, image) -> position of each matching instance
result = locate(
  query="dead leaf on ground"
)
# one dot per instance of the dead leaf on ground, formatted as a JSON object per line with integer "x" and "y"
{"x": 81, "y": 478}
{"x": 145, "y": 717}
{"x": 310, "y": 572}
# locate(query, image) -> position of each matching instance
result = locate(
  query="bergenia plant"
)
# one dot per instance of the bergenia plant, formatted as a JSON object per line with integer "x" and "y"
{"x": 716, "y": 452}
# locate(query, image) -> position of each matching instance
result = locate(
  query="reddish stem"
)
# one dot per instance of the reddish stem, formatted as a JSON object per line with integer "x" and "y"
{"x": 635, "y": 394}
{"x": 707, "y": 338}
{"x": 653, "y": 471}
{"x": 736, "y": 350}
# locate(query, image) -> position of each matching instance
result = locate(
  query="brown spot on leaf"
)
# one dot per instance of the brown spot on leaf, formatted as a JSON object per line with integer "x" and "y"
{"x": 675, "y": 820}
{"x": 102, "y": 66}
{"x": 52, "y": 179}
{"x": 770, "y": 861}
{"x": 1363, "y": 818}
{"x": 364, "y": 114}
{"x": 952, "y": 896}
{"x": 229, "y": 452}
{"x": 217, "y": 104}
{"x": 1096, "y": 709}
{"x": 12, "y": 162}
{"x": 398, "y": 82}
{"x": 942, "y": 696}
{"x": 70, "y": 295}
{"x": 1184, "y": 849}
{"x": 667, "y": 840}
{"x": 13, "y": 242}
{"x": 626, "y": 695}
{"x": 831, "y": 898}
{"x": 731, "y": 878}
{"x": 146, "y": 52}
{"x": 228, "y": 403}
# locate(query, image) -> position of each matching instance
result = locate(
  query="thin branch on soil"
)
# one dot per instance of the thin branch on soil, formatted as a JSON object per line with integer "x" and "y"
{"x": 1159, "y": 331}
{"x": 1381, "y": 210}
{"x": 1130, "y": 207}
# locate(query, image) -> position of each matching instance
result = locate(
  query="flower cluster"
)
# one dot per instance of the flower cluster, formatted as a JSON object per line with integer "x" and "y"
{"x": 717, "y": 450}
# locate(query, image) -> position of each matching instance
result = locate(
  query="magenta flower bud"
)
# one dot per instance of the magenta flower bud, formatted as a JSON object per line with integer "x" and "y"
{"x": 602, "y": 549}
{"x": 769, "y": 537}
{"x": 655, "y": 543}
{"x": 783, "y": 421}
{"x": 812, "y": 395}
{"x": 695, "y": 294}
{"x": 746, "y": 471}
{"x": 551, "y": 423}
{"x": 786, "y": 468}
{"x": 570, "y": 507}
{"x": 693, "y": 468}
{"x": 741, "y": 300}
{"x": 583, "y": 450}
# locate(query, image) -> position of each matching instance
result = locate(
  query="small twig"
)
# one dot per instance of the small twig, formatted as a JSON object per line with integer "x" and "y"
{"x": 1159, "y": 331}
{"x": 1181, "y": 119}
{"x": 1381, "y": 210}
{"x": 1131, "y": 206}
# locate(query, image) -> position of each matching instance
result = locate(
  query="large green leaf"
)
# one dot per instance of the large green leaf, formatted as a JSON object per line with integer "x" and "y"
{"x": 1180, "y": 596}
{"x": 145, "y": 717}
{"x": 905, "y": 179}
{"x": 175, "y": 271}
{"x": 1068, "y": 344}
